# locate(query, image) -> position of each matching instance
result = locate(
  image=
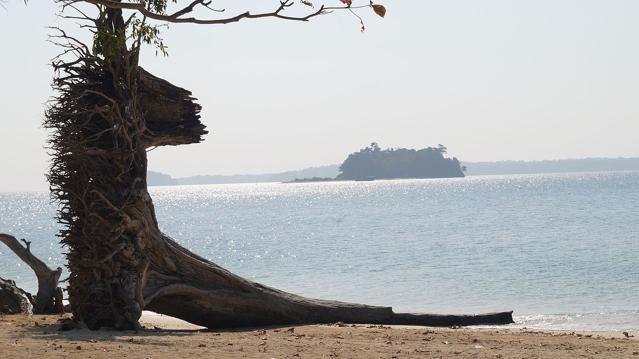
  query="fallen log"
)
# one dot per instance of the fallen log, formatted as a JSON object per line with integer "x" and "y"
{"x": 14, "y": 300}
{"x": 48, "y": 300}
{"x": 200, "y": 292}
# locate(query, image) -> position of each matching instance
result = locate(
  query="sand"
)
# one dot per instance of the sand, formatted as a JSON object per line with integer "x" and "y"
{"x": 38, "y": 337}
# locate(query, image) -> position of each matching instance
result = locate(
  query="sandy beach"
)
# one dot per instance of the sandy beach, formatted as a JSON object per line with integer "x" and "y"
{"x": 38, "y": 337}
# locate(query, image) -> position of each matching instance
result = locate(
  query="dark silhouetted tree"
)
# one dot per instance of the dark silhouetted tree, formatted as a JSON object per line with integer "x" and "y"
{"x": 107, "y": 113}
{"x": 373, "y": 162}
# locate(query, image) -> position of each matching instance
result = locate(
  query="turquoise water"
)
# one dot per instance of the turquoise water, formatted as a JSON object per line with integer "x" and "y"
{"x": 561, "y": 250}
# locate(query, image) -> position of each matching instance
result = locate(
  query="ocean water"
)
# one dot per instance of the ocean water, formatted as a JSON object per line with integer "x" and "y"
{"x": 561, "y": 250}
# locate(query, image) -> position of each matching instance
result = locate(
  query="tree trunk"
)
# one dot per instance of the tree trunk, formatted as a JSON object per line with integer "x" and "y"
{"x": 107, "y": 114}
{"x": 49, "y": 297}
{"x": 179, "y": 283}
{"x": 191, "y": 288}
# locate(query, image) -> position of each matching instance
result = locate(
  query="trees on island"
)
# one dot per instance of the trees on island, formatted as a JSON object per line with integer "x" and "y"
{"x": 373, "y": 162}
{"x": 106, "y": 114}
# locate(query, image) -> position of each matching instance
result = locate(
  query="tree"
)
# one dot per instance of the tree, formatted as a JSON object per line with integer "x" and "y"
{"x": 107, "y": 113}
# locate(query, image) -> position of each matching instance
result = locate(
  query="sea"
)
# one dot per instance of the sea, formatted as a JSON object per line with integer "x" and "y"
{"x": 560, "y": 250}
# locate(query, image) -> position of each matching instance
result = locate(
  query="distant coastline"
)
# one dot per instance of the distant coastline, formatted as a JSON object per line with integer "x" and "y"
{"x": 472, "y": 169}
{"x": 552, "y": 166}
{"x": 312, "y": 179}
{"x": 368, "y": 164}
{"x": 161, "y": 179}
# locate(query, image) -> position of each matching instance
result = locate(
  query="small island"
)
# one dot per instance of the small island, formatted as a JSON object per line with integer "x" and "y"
{"x": 372, "y": 162}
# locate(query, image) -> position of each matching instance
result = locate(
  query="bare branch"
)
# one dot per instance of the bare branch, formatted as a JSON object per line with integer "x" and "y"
{"x": 176, "y": 17}
{"x": 27, "y": 244}
{"x": 189, "y": 8}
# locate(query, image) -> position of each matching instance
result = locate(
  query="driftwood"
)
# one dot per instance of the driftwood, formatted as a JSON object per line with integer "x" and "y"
{"x": 108, "y": 112}
{"x": 14, "y": 300}
{"x": 49, "y": 297}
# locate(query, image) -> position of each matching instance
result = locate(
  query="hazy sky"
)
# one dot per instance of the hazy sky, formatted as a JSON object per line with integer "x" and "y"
{"x": 492, "y": 80}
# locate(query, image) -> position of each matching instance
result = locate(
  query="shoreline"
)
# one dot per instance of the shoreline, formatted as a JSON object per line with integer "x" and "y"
{"x": 167, "y": 322}
{"x": 164, "y": 322}
{"x": 163, "y": 337}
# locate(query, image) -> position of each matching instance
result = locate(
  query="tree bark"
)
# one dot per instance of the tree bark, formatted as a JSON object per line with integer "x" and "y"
{"x": 49, "y": 297}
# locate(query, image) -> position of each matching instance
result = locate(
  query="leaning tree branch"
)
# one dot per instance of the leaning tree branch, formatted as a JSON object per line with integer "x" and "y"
{"x": 176, "y": 17}
{"x": 49, "y": 297}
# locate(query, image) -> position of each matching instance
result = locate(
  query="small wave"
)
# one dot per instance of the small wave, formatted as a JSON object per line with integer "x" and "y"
{"x": 604, "y": 321}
